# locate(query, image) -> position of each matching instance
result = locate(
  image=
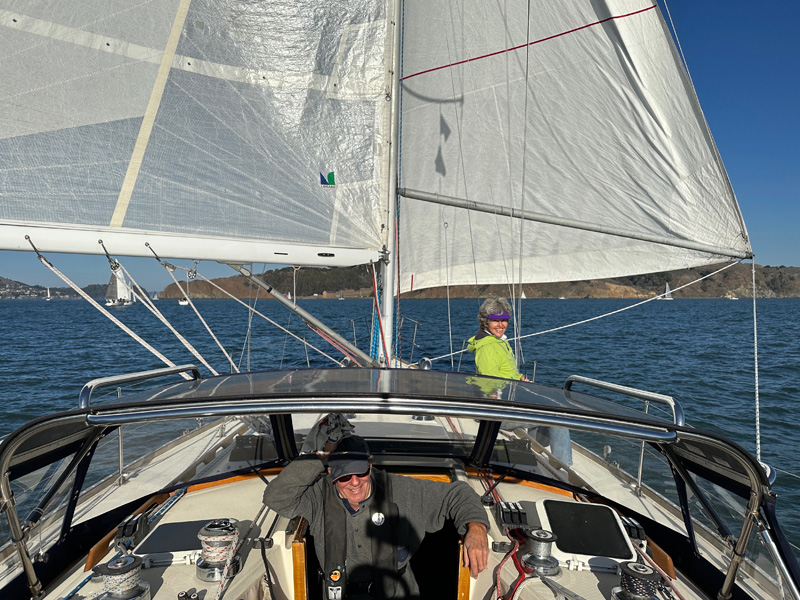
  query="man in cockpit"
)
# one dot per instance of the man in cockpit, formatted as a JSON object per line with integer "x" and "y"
{"x": 367, "y": 523}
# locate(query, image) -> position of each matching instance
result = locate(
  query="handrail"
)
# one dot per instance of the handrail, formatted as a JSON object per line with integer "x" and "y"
{"x": 677, "y": 409}
{"x": 85, "y": 397}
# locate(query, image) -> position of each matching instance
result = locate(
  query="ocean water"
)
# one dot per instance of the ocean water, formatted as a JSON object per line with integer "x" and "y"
{"x": 698, "y": 351}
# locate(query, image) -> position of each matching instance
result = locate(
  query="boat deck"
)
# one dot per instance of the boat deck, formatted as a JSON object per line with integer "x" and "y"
{"x": 171, "y": 549}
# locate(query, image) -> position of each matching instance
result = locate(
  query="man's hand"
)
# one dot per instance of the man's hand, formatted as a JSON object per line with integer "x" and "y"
{"x": 476, "y": 548}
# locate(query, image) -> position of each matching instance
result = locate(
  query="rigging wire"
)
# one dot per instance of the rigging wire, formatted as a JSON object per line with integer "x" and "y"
{"x": 249, "y": 334}
{"x": 447, "y": 287}
{"x": 266, "y": 318}
{"x": 613, "y": 312}
{"x": 677, "y": 40}
{"x": 445, "y": 134}
{"x": 518, "y": 313}
{"x": 378, "y": 311}
{"x": 142, "y": 297}
{"x": 105, "y": 313}
{"x": 192, "y": 273}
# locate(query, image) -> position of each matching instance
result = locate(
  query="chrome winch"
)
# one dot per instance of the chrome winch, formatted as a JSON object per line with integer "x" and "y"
{"x": 535, "y": 551}
{"x": 218, "y": 558}
{"x": 121, "y": 579}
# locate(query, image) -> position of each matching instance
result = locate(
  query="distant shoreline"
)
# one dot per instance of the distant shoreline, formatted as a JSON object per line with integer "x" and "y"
{"x": 353, "y": 282}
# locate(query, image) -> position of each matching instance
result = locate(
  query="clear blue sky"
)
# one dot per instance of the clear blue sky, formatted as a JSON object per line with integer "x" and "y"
{"x": 744, "y": 58}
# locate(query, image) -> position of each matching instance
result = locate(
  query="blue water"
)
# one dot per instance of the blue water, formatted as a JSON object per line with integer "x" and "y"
{"x": 698, "y": 351}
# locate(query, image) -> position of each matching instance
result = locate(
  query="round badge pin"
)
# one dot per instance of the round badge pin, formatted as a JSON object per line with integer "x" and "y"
{"x": 378, "y": 519}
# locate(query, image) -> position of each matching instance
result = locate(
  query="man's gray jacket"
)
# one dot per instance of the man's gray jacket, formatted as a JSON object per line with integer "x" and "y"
{"x": 423, "y": 506}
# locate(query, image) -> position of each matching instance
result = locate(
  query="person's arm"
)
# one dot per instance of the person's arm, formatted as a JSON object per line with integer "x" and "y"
{"x": 476, "y": 548}
{"x": 428, "y": 504}
{"x": 292, "y": 492}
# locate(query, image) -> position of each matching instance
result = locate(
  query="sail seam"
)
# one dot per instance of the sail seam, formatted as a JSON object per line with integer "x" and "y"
{"x": 149, "y": 117}
{"x": 528, "y": 44}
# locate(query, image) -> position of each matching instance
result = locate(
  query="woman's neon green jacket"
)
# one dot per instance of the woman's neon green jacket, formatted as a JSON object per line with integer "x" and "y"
{"x": 493, "y": 356}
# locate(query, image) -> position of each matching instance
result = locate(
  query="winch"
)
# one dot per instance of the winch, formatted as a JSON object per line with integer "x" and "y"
{"x": 121, "y": 579}
{"x": 637, "y": 582}
{"x": 535, "y": 551}
{"x": 218, "y": 540}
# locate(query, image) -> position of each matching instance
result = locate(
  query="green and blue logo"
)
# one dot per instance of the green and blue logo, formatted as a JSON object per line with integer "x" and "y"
{"x": 326, "y": 180}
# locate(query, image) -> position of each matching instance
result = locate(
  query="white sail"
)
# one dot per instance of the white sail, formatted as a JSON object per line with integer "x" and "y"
{"x": 234, "y": 131}
{"x": 249, "y": 132}
{"x": 117, "y": 292}
{"x": 578, "y": 113}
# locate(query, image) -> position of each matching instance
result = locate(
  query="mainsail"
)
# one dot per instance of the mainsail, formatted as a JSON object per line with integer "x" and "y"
{"x": 578, "y": 115}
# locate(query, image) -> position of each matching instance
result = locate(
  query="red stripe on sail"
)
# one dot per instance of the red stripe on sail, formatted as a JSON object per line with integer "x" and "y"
{"x": 551, "y": 37}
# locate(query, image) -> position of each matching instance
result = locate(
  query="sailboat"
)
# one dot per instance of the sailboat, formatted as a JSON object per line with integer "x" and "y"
{"x": 381, "y": 133}
{"x": 49, "y": 297}
{"x": 667, "y": 295}
{"x": 118, "y": 293}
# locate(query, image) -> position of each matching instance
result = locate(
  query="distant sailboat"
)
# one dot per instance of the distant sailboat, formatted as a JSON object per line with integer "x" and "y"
{"x": 185, "y": 300}
{"x": 49, "y": 297}
{"x": 667, "y": 293}
{"x": 154, "y": 296}
{"x": 117, "y": 292}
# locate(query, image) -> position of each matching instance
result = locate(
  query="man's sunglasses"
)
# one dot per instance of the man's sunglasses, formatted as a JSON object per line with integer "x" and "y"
{"x": 347, "y": 478}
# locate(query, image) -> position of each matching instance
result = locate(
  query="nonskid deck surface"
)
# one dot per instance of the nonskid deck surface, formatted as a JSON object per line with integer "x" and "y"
{"x": 170, "y": 550}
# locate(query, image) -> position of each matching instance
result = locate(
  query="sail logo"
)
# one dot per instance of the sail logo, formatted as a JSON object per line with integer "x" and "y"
{"x": 326, "y": 180}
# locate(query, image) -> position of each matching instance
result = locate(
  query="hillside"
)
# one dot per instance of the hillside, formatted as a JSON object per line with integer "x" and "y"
{"x": 356, "y": 282}
{"x": 351, "y": 282}
{"x": 771, "y": 282}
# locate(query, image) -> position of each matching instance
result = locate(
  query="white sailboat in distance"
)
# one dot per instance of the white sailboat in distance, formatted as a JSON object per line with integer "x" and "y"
{"x": 117, "y": 292}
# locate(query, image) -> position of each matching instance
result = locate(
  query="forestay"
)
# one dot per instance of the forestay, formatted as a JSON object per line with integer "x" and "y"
{"x": 576, "y": 112}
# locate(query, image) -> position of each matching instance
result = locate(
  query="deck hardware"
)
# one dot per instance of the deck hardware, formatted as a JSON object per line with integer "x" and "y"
{"x": 265, "y": 543}
{"x": 121, "y": 579}
{"x": 218, "y": 539}
{"x": 502, "y": 547}
{"x": 637, "y": 582}
{"x": 536, "y": 549}
{"x": 130, "y": 532}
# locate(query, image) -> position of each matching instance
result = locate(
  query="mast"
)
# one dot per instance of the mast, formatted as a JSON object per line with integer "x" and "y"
{"x": 389, "y": 263}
